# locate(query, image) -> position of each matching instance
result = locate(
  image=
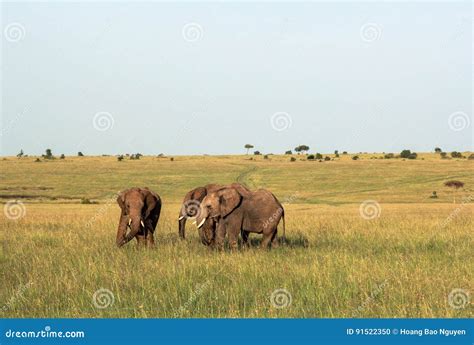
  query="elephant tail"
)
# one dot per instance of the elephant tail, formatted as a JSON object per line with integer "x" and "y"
{"x": 284, "y": 226}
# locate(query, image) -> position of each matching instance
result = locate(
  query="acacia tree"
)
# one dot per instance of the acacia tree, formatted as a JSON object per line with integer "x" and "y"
{"x": 455, "y": 185}
{"x": 248, "y": 147}
{"x": 302, "y": 148}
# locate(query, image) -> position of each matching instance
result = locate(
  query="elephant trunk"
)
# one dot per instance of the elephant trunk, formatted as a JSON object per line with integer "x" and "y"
{"x": 122, "y": 230}
{"x": 201, "y": 217}
{"x": 135, "y": 223}
{"x": 182, "y": 226}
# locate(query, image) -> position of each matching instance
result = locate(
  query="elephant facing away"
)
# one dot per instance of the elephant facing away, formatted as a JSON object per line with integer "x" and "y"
{"x": 140, "y": 211}
{"x": 191, "y": 208}
{"x": 237, "y": 210}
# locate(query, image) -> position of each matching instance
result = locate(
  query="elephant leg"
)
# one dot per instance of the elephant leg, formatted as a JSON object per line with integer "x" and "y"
{"x": 150, "y": 240}
{"x": 267, "y": 238}
{"x": 245, "y": 239}
{"x": 141, "y": 240}
{"x": 233, "y": 240}
{"x": 274, "y": 242}
{"x": 220, "y": 236}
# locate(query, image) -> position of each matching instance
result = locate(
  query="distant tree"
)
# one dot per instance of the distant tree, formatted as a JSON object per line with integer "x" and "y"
{"x": 161, "y": 155}
{"x": 257, "y": 153}
{"x": 310, "y": 157}
{"x": 48, "y": 154}
{"x": 438, "y": 150}
{"x": 327, "y": 158}
{"x": 344, "y": 153}
{"x": 265, "y": 157}
{"x": 354, "y": 158}
{"x": 405, "y": 153}
{"x": 80, "y": 154}
{"x": 336, "y": 152}
{"x": 20, "y": 154}
{"x": 120, "y": 158}
{"x": 288, "y": 152}
{"x": 413, "y": 155}
{"x": 443, "y": 155}
{"x": 292, "y": 159}
{"x": 455, "y": 185}
{"x": 62, "y": 156}
{"x": 248, "y": 147}
{"x": 456, "y": 154}
{"x": 319, "y": 156}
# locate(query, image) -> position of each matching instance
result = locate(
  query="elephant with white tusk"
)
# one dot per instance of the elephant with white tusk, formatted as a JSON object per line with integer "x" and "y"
{"x": 240, "y": 211}
{"x": 140, "y": 212}
{"x": 191, "y": 208}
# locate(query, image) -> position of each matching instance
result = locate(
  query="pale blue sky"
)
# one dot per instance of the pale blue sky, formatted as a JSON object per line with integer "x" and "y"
{"x": 317, "y": 62}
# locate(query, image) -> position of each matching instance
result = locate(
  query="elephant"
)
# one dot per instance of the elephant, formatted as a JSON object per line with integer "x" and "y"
{"x": 191, "y": 208}
{"x": 237, "y": 210}
{"x": 140, "y": 211}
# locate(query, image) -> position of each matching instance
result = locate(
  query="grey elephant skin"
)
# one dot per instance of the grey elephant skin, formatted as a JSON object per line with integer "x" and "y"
{"x": 190, "y": 208}
{"x": 237, "y": 210}
{"x": 140, "y": 211}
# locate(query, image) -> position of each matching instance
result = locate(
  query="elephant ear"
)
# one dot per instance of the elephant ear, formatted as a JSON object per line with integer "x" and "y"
{"x": 151, "y": 199}
{"x": 229, "y": 199}
{"x": 121, "y": 199}
{"x": 198, "y": 194}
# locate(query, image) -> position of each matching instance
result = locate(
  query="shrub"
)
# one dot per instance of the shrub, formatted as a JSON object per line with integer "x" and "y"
{"x": 120, "y": 158}
{"x": 471, "y": 156}
{"x": 438, "y": 150}
{"x": 86, "y": 201}
{"x": 257, "y": 153}
{"x": 310, "y": 157}
{"x": 405, "y": 153}
{"x": 288, "y": 152}
{"x": 37, "y": 160}
{"x": 344, "y": 153}
{"x": 62, "y": 156}
{"x": 80, "y": 154}
{"x": 48, "y": 154}
{"x": 389, "y": 156}
{"x": 443, "y": 155}
{"x": 412, "y": 155}
{"x": 327, "y": 158}
{"x": 172, "y": 159}
{"x": 456, "y": 154}
{"x": 354, "y": 158}
{"x": 292, "y": 159}
{"x": 265, "y": 157}
{"x": 319, "y": 156}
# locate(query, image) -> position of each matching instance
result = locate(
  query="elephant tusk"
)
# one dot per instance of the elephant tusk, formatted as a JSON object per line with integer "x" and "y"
{"x": 141, "y": 222}
{"x": 202, "y": 222}
{"x": 180, "y": 218}
{"x": 129, "y": 221}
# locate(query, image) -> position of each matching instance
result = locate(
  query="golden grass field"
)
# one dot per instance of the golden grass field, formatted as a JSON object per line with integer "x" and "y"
{"x": 403, "y": 263}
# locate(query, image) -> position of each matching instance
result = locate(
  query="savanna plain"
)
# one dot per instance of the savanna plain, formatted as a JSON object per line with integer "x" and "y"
{"x": 363, "y": 239}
